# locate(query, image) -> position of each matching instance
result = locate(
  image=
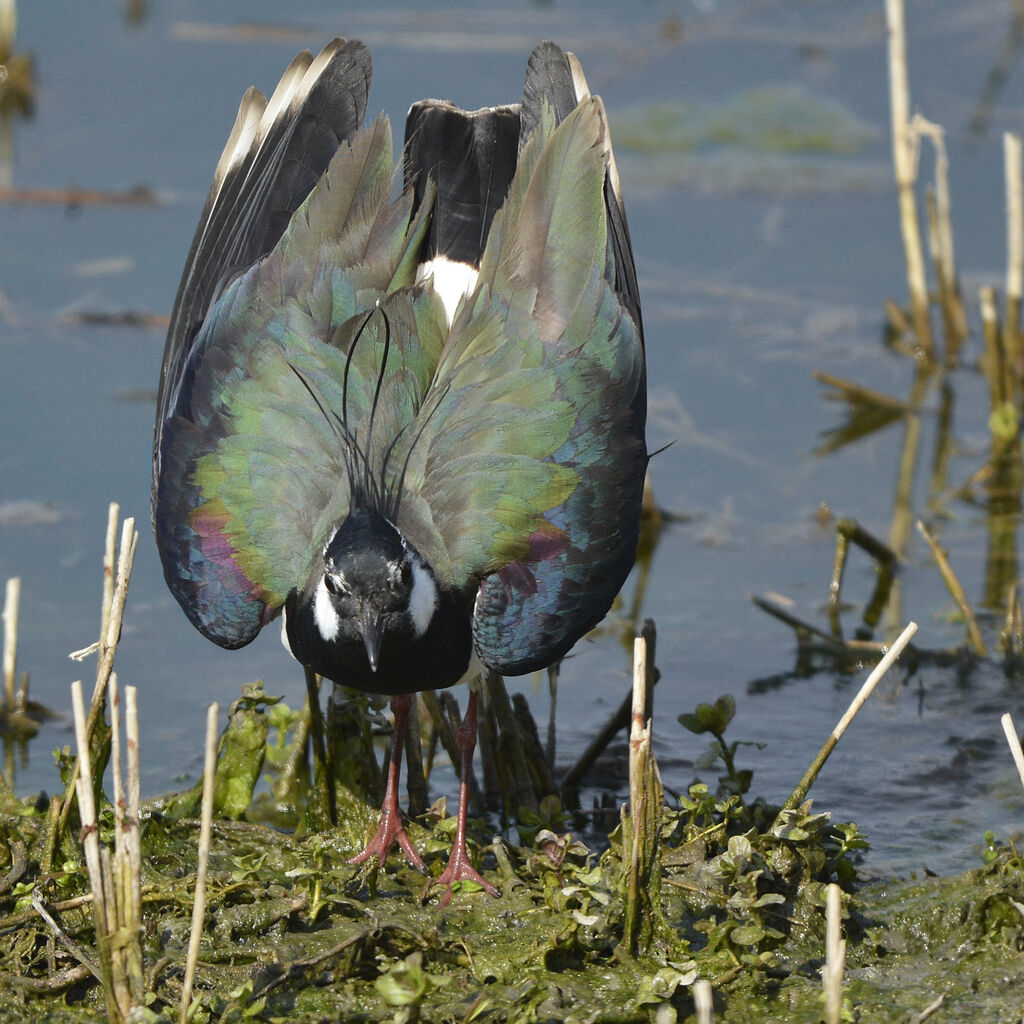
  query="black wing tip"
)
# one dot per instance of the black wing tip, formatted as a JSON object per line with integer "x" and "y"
{"x": 255, "y": 185}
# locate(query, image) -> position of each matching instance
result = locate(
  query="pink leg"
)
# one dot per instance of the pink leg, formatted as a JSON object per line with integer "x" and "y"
{"x": 459, "y": 868}
{"x": 390, "y": 830}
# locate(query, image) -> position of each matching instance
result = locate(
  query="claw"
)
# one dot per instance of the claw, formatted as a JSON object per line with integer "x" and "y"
{"x": 391, "y": 830}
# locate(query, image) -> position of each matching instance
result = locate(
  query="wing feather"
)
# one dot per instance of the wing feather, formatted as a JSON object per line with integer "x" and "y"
{"x": 253, "y": 467}
{"x": 532, "y": 468}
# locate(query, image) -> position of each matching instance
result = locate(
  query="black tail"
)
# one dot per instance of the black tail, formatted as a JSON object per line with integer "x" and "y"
{"x": 555, "y": 77}
{"x": 471, "y": 156}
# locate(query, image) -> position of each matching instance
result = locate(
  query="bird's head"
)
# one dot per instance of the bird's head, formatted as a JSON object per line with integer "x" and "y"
{"x": 373, "y": 586}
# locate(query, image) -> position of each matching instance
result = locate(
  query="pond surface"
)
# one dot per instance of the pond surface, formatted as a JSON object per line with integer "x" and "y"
{"x": 753, "y": 145}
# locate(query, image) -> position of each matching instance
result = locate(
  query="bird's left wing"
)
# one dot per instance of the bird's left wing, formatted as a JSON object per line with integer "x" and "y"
{"x": 531, "y": 467}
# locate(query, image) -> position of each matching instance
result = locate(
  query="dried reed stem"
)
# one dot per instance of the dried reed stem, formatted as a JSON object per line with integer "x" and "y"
{"x": 850, "y": 391}
{"x": 974, "y": 637}
{"x": 995, "y": 373}
{"x": 321, "y": 812}
{"x": 512, "y": 748}
{"x": 645, "y": 800}
{"x": 10, "y": 617}
{"x": 703, "y": 1001}
{"x": 1013, "y": 738}
{"x": 940, "y": 229}
{"x": 1014, "y": 236}
{"x": 134, "y": 826}
{"x": 115, "y": 878}
{"x": 549, "y": 747}
{"x": 619, "y": 720}
{"x": 1012, "y": 640}
{"x": 933, "y": 1007}
{"x": 415, "y": 780}
{"x": 835, "y": 955}
{"x": 62, "y": 936}
{"x": 115, "y": 756}
{"x": 639, "y": 748}
{"x": 796, "y": 798}
{"x": 904, "y": 156}
{"x": 199, "y": 905}
{"x": 102, "y": 911}
{"x": 108, "y": 641}
{"x": 109, "y": 568}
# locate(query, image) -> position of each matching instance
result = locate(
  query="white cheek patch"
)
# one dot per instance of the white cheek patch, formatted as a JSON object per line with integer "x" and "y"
{"x": 326, "y": 617}
{"x": 284, "y": 632}
{"x": 422, "y": 598}
{"x": 452, "y": 280}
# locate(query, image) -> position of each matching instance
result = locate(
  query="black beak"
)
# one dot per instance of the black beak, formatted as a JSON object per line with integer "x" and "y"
{"x": 368, "y": 625}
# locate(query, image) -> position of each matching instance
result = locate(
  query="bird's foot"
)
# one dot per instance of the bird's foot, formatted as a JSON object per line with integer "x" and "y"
{"x": 459, "y": 869}
{"x": 389, "y": 832}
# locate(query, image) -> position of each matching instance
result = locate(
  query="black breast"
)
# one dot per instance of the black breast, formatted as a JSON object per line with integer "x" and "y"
{"x": 408, "y": 664}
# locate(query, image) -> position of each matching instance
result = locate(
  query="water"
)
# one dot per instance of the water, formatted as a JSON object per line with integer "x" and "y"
{"x": 757, "y": 267}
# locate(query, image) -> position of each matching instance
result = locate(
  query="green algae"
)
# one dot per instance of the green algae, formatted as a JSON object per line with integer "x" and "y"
{"x": 778, "y": 138}
{"x": 293, "y": 932}
{"x": 771, "y": 119}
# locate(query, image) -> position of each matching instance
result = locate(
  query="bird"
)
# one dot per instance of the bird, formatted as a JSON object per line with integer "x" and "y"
{"x": 402, "y": 401}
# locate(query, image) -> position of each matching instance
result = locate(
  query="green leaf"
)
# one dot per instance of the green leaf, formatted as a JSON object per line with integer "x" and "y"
{"x": 747, "y": 934}
{"x": 1002, "y": 423}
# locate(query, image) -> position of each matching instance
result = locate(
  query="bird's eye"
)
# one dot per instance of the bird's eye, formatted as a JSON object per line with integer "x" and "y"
{"x": 335, "y": 584}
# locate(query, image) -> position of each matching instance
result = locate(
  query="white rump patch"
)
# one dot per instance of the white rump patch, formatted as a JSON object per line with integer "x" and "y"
{"x": 422, "y": 598}
{"x": 328, "y": 622}
{"x": 451, "y": 281}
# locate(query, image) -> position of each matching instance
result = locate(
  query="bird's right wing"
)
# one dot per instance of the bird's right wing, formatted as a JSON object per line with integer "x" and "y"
{"x": 276, "y": 394}
{"x": 273, "y": 158}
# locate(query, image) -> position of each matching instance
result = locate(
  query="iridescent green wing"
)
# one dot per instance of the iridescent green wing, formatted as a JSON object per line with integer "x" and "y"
{"x": 530, "y": 469}
{"x": 253, "y": 460}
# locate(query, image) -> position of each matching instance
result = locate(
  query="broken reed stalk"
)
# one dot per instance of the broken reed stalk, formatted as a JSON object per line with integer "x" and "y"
{"x": 1012, "y": 639}
{"x": 1012, "y": 172}
{"x": 206, "y": 821}
{"x": 619, "y": 720}
{"x": 321, "y": 813}
{"x": 796, "y": 798}
{"x": 513, "y": 763}
{"x": 904, "y": 158}
{"x": 415, "y": 780}
{"x": 703, "y": 1001}
{"x": 107, "y": 645}
{"x": 1013, "y": 738}
{"x": 645, "y": 801}
{"x": 133, "y": 826}
{"x": 549, "y": 747}
{"x": 110, "y": 639}
{"x": 835, "y": 955}
{"x": 933, "y": 1007}
{"x": 12, "y": 598}
{"x": 974, "y": 637}
{"x": 849, "y": 531}
{"x": 940, "y": 232}
{"x": 992, "y": 360}
{"x": 115, "y": 878}
{"x": 109, "y": 569}
{"x": 852, "y": 392}
{"x": 115, "y": 755}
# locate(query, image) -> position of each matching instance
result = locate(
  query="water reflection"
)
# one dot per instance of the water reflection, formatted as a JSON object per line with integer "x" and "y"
{"x": 17, "y": 88}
